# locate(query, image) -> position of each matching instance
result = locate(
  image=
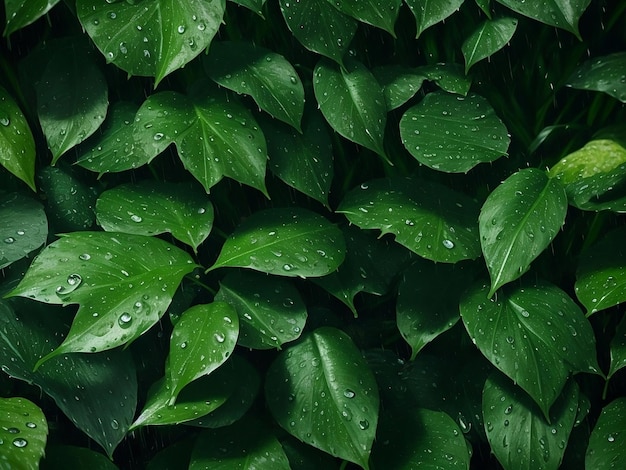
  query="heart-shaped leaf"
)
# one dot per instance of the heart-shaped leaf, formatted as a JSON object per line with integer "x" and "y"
{"x": 487, "y": 39}
{"x": 606, "y": 449}
{"x": 285, "y": 242}
{"x": 518, "y": 221}
{"x": 535, "y": 334}
{"x": 618, "y": 348}
{"x": 453, "y": 133}
{"x": 123, "y": 283}
{"x": 400, "y": 84}
{"x": 20, "y": 13}
{"x": 428, "y": 218}
{"x": 23, "y": 431}
{"x": 605, "y": 74}
{"x": 23, "y": 227}
{"x": 380, "y": 14}
{"x": 430, "y": 12}
{"x": 323, "y": 392}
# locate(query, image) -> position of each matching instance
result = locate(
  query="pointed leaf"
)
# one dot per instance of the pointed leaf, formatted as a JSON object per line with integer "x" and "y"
{"x": 23, "y": 227}
{"x": 64, "y": 456}
{"x": 285, "y": 242}
{"x": 618, "y": 348}
{"x": 428, "y": 218}
{"x": 606, "y": 449}
{"x": 487, "y": 39}
{"x": 20, "y": 13}
{"x": 605, "y": 74}
{"x": 430, "y": 12}
{"x": 560, "y": 13}
{"x": 452, "y": 133}
{"x": 518, "y": 221}
{"x": 23, "y": 431}
{"x": 535, "y": 334}
{"x": 322, "y": 392}
{"x": 381, "y": 14}
{"x": 484, "y": 6}
{"x": 400, "y": 84}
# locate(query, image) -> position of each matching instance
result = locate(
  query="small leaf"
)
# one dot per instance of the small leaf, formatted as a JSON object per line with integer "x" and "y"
{"x": 400, "y": 84}
{"x": 487, "y": 39}
{"x": 606, "y": 74}
{"x": 618, "y": 348}
{"x": 380, "y": 14}
{"x": 285, "y": 242}
{"x": 23, "y": 431}
{"x": 430, "y": 12}
{"x": 59, "y": 457}
{"x": 606, "y": 444}
{"x": 518, "y": 221}
{"x": 452, "y": 133}
{"x": 484, "y": 6}
{"x": 448, "y": 77}
{"x": 322, "y": 392}
{"x": 253, "y": 5}
{"x": 21, "y": 13}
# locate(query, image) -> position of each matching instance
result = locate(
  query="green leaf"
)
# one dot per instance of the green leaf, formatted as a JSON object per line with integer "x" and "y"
{"x": 400, "y": 84}
{"x": 72, "y": 99}
{"x": 285, "y": 242}
{"x": 215, "y": 136}
{"x": 518, "y": 221}
{"x": 448, "y": 77}
{"x": 319, "y": 27}
{"x": 201, "y": 342}
{"x": 59, "y": 457}
{"x": 123, "y": 283}
{"x": 352, "y": 102}
{"x": 23, "y": 431}
{"x": 605, "y": 74}
{"x": 266, "y": 76}
{"x": 323, "y": 392}
{"x": 487, "y": 39}
{"x": 618, "y": 348}
{"x": 601, "y": 273}
{"x": 23, "y": 227}
{"x": 381, "y": 14}
{"x": 21, "y": 13}
{"x": 151, "y": 208}
{"x": 430, "y": 12}
{"x": 560, "y": 13}
{"x": 151, "y": 37}
{"x": 173, "y": 457}
{"x": 606, "y": 449}
{"x": 253, "y": 5}
{"x": 535, "y": 334}
{"x": 453, "y": 133}
{"x": 429, "y": 219}
{"x": 484, "y": 6}
{"x": 17, "y": 146}
{"x": 519, "y": 435}
{"x": 271, "y": 311}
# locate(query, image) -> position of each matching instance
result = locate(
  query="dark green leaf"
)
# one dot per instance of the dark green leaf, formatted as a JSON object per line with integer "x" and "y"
{"x": 20, "y": 13}
{"x": 448, "y": 77}
{"x": 253, "y": 5}
{"x": 23, "y": 227}
{"x": 173, "y": 457}
{"x": 484, "y": 6}
{"x": 453, "y": 133}
{"x": 322, "y": 392}
{"x": 430, "y": 12}
{"x": 606, "y": 74}
{"x": 618, "y": 348}
{"x": 487, "y": 39}
{"x": 23, "y": 431}
{"x": 518, "y": 221}
{"x": 399, "y": 84}
{"x": 606, "y": 449}
{"x": 380, "y": 13}
{"x": 61, "y": 457}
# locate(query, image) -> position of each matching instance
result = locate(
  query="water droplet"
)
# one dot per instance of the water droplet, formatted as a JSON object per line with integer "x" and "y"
{"x": 348, "y": 393}
{"x": 364, "y": 424}
{"x": 448, "y": 244}
{"x": 287, "y": 267}
{"x": 135, "y": 218}
{"x": 219, "y": 337}
{"x": 181, "y": 29}
{"x": 202, "y": 210}
{"x": 138, "y": 307}
{"x": 31, "y": 425}
{"x": 158, "y": 136}
{"x": 293, "y": 79}
{"x": 183, "y": 345}
{"x": 115, "y": 424}
{"x": 112, "y": 15}
{"x": 20, "y": 442}
{"x": 611, "y": 438}
{"x": 125, "y": 320}
{"x": 13, "y": 431}
{"x": 5, "y": 121}
{"x": 9, "y": 240}
{"x": 73, "y": 282}
{"x": 85, "y": 256}
{"x": 508, "y": 410}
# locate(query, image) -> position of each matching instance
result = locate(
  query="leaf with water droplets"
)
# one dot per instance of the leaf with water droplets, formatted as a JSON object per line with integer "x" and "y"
{"x": 618, "y": 348}
{"x": 23, "y": 433}
{"x": 285, "y": 242}
{"x": 518, "y": 221}
{"x": 606, "y": 74}
{"x": 447, "y": 76}
{"x": 519, "y": 434}
{"x": 453, "y": 133}
{"x": 21, "y": 13}
{"x": 322, "y": 391}
{"x": 606, "y": 448}
{"x": 202, "y": 340}
{"x": 487, "y": 39}
{"x": 430, "y": 12}
{"x": 399, "y": 84}
{"x": 536, "y": 334}
{"x": 379, "y": 13}
{"x": 123, "y": 284}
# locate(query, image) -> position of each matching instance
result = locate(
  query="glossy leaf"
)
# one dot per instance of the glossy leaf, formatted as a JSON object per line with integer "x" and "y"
{"x": 606, "y": 449}
{"x": 152, "y": 208}
{"x": 271, "y": 311}
{"x": 285, "y": 242}
{"x": 487, "y": 39}
{"x": 322, "y": 392}
{"x": 123, "y": 284}
{"x": 448, "y": 77}
{"x": 253, "y": 5}
{"x": 380, "y": 13}
{"x": 23, "y": 227}
{"x": 535, "y": 334}
{"x": 266, "y": 76}
{"x": 618, "y": 348}
{"x": 23, "y": 431}
{"x": 151, "y": 37}
{"x": 431, "y": 12}
{"x": 21, "y": 13}
{"x": 452, "y": 133}
{"x": 518, "y": 221}
{"x": 399, "y": 84}
{"x": 59, "y": 457}
{"x": 429, "y": 219}
{"x": 17, "y": 146}
{"x": 353, "y": 103}
{"x": 484, "y": 5}
{"x": 519, "y": 434}
{"x": 605, "y": 74}
{"x": 215, "y": 136}
{"x": 202, "y": 340}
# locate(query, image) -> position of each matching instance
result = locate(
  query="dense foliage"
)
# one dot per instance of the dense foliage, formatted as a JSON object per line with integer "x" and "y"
{"x": 313, "y": 234}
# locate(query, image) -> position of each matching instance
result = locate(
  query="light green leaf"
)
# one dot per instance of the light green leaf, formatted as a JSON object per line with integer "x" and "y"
{"x": 453, "y": 133}
{"x": 151, "y": 208}
{"x": 266, "y": 76}
{"x": 430, "y": 12}
{"x": 23, "y": 431}
{"x": 20, "y": 13}
{"x": 381, "y": 14}
{"x": 352, "y": 102}
{"x": 285, "y": 242}
{"x": 606, "y": 445}
{"x": 429, "y": 219}
{"x": 487, "y": 39}
{"x": 322, "y": 391}
{"x": 253, "y": 5}
{"x": 519, "y": 435}
{"x": 151, "y": 37}
{"x": 215, "y": 135}
{"x": 17, "y": 146}
{"x": 618, "y": 348}
{"x": 448, "y": 77}
{"x": 606, "y": 74}
{"x": 59, "y": 457}
{"x": 23, "y": 227}
{"x": 123, "y": 284}
{"x": 271, "y": 311}
{"x": 535, "y": 334}
{"x": 400, "y": 84}
{"x": 518, "y": 221}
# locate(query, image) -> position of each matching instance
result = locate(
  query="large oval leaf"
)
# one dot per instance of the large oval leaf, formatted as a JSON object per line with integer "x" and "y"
{"x": 430, "y": 12}
{"x": 123, "y": 283}
{"x": 487, "y": 39}
{"x": 606, "y": 444}
{"x": 605, "y": 74}
{"x": 323, "y": 392}
{"x": 428, "y": 218}
{"x": 286, "y": 242}
{"x": 20, "y": 13}
{"x": 23, "y": 227}
{"x": 535, "y": 334}
{"x": 453, "y": 133}
{"x": 23, "y": 433}
{"x": 518, "y": 221}
{"x": 374, "y": 12}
